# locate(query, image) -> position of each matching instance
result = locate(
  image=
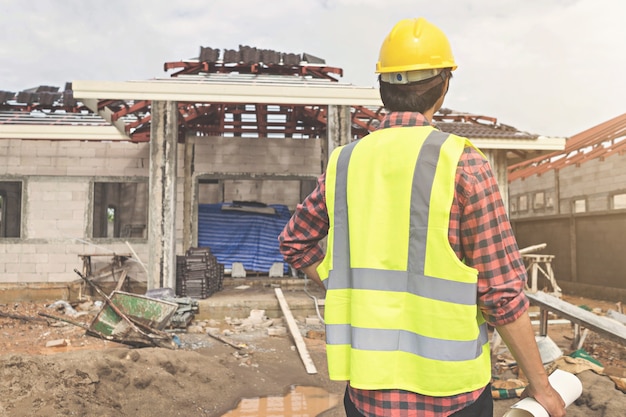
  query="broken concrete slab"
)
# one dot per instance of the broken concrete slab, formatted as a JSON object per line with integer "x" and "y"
{"x": 57, "y": 343}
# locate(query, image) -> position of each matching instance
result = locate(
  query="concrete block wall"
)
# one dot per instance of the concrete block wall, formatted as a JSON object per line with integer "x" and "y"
{"x": 56, "y": 207}
{"x": 258, "y": 156}
{"x": 57, "y": 178}
{"x": 54, "y": 261}
{"x": 527, "y": 188}
{"x": 57, "y": 192}
{"x": 293, "y": 157}
{"x": 595, "y": 181}
{"x": 72, "y": 158}
{"x": 268, "y": 191}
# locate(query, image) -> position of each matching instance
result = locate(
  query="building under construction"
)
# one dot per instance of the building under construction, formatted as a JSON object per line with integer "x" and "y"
{"x": 129, "y": 168}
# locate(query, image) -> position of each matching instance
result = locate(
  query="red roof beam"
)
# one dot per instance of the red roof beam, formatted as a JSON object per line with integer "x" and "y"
{"x": 536, "y": 160}
{"x": 187, "y": 67}
{"x": 369, "y": 113}
{"x": 321, "y": 72}
{"x": 138, "y": 106}
{"x": 138, "y": 122}
{"x": 141, "y": 136}
{"x": 315, "y": 113}
{"x": 596, "y": 133}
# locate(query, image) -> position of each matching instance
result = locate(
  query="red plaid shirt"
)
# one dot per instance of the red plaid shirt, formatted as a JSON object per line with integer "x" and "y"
{"x": 479, "y": 233}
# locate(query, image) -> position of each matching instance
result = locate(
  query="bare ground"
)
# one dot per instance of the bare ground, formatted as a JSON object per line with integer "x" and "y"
{"x": 86, "y": 376}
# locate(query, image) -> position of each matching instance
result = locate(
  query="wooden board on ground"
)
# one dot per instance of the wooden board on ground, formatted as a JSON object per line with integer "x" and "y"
{"x": 295, "y": 333}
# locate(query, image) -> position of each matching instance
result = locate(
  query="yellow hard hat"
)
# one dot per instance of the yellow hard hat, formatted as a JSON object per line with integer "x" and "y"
{"x": 414, "y": 50}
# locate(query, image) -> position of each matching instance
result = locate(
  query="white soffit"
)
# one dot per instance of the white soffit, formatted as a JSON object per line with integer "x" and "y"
{"x": 298, "y": 93}
{"x": 67, "y": 132}
{"x": 542, "y": 143}
{"x": 198, "y": 92}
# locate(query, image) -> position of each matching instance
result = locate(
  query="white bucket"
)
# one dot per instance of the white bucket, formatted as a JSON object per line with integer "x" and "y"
{"x": 548, "y": 350}
{"x": 566, "y": 384}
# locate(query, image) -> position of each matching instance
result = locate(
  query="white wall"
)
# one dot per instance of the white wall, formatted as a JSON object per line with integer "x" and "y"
{"x": 57, "y": 193}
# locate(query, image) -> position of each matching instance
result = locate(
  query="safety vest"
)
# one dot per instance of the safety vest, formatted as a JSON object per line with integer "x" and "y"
{"x": 400, "y": 308}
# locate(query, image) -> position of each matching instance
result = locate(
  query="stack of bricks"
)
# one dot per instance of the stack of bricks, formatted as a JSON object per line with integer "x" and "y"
{"x": 198, "y": 274}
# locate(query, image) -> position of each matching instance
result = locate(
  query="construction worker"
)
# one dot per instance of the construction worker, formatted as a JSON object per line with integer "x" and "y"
{"x": 420, "y": 254}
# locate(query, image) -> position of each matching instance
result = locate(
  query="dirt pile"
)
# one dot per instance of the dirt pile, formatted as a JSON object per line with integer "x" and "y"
{"x": 88, "y": 376}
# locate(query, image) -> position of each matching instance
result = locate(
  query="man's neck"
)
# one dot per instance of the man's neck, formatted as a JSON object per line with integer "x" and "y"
{"x": 429, "y": 114}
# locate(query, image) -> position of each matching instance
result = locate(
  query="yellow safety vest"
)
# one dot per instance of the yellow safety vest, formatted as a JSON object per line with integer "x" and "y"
{"x": 400, "y": 308}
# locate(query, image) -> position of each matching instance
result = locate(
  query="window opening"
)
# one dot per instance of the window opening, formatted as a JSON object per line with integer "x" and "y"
{"x": 10, "y": 209}
{"x": 111, "y": 221}
{"x": 619, "y": 201}
{"x": 120, "y": 209}
{"x": 580, "y": 206}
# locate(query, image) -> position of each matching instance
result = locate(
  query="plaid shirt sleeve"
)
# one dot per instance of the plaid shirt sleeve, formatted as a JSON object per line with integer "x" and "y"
{"x": 481, "y": 234}
{"x": 299, "y": 240}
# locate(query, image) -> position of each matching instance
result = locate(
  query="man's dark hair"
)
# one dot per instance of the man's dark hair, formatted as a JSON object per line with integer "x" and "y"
{"x": 414, "y": 97}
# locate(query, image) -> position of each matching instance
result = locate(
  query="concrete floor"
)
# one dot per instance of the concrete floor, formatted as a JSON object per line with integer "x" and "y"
{"x": 241, "y": 295}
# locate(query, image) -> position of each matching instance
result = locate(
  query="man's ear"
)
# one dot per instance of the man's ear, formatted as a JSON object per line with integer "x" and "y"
{"x": 444, "y": 91}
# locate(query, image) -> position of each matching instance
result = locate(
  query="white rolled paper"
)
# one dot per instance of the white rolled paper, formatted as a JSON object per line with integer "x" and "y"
{"x": 566, "y": 384}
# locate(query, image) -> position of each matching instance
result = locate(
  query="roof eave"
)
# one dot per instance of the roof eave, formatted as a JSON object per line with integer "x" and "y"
{"x": 541, "y": 143}
{"x": 63, "y": 132}
{"x": 157, "y": 90}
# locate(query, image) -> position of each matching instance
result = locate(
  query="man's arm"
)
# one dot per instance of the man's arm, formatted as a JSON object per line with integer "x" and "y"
{"x": 487, "y": 243}
{"x": 520, "y": 339}
{"x": 311, "y": 272}
{"x": 299, "y": 240}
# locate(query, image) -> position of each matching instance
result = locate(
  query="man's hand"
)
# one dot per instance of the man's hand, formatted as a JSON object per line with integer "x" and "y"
{"x": 548, "y": 398}
{"x": 520, "y": 339}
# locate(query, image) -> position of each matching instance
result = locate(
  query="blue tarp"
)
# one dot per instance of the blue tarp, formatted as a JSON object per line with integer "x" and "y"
{"x": 235, "y": 236}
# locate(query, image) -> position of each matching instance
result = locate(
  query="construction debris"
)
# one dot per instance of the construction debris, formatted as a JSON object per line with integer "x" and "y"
{"x": 587, "y": 323}
{"x": 20, "y": 317}
{"x": 198, "y": 274}
{"x": 186, "y": 311}
{"x": 129, "y": 318}
{"x": 226, "y": 341}
{"x": 65, "y": 307}
{"x": 57, "y": 343}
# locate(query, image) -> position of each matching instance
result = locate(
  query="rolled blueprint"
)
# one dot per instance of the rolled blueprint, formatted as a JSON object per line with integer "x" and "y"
{"x": 566, "y": 384}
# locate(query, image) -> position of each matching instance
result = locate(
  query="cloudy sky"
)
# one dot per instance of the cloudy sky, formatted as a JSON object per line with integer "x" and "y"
{"x": 550, "y": 67}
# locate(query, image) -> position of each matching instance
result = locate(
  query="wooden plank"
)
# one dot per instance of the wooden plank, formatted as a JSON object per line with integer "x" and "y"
{"x": 616, "y": 315}
{"x": 20, "y": 317}
{"x": 121, "y": 280}
{"x": 223, "y": 340}
{"x": 601, "y": 325}
{"x": 533, "y": 248}
{"x": 295, "y": 333}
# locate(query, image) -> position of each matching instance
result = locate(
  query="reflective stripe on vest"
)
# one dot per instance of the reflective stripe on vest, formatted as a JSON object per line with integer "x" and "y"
{"x": 392, "y": 339}
{"x": 340, "y": 277}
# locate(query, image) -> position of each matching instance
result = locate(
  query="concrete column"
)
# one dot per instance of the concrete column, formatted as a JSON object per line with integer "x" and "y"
{"x": 188, "y": 194}
{"x": 162, "y": 199}
{"x": 338, "y": 129}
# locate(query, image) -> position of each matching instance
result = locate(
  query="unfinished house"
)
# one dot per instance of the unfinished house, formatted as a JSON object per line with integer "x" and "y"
{"x": 128, "y": 175}
{"x": 574, "y": 201}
